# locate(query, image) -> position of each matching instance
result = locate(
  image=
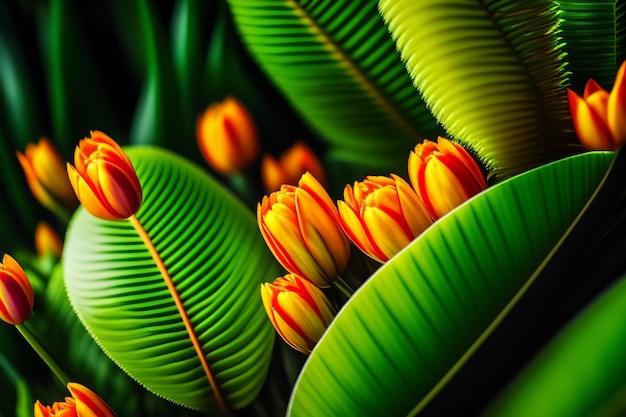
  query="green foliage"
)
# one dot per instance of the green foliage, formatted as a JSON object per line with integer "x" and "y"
{"x": 210, "y": 245}
{"x": 581, "y": 372}
{"x": 418, "y": 319}
{"x": 594, "y": 36}
{"x": 337, "y": 65}
{"x": 492, "y": 73}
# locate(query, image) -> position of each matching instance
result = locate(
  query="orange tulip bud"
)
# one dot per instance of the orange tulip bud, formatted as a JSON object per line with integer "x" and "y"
{"x": 227, "y": 136}
{"x": 289, "y": 168}
{"x": 381, "y": 215}
{"x": 104, "y": 179}
{"x": 444, "y": 175}
{"x": 599, "y": 116}
{"x": 46, "y": 177}
{"x": 16, "y": 292}
{"x": 47, "y": 241}
{"x": 82, "y": 403}
{"x": 299, "y": 311}
{"x": 300, "y": 226}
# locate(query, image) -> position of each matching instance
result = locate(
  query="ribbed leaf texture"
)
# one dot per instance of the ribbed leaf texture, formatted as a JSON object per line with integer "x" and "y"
{"x": 590, "y": 349}
{"x": 404, "y": 334}
{"x": 491, "y": 72}
{"x": 337, "y": 64}
{"x": 594, "y": 33}
{"x": 211, "y": 247}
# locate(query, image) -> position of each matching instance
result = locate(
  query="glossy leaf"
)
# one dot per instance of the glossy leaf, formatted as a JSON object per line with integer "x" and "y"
{"x": 404, "y": 334}
{"x": 594, "y": 33}
{"x": 337, "y": 65}
{"x": 581, "y": 372}
{"x": 492, "y": 73}
{"x": 211, "y": 247}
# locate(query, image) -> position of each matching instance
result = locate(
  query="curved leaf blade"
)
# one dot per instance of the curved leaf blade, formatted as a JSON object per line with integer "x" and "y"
{"x": 492, "y": 73}
{"x": 420, "y": 316}
{"x": 337, "y": 65}
{"x": 557, "y": 381}
{"x": 210, "y": 244}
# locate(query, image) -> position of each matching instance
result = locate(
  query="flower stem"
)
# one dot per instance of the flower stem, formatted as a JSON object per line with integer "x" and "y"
{"x": 27, "y": 333}
{"x": 343, "y": 287}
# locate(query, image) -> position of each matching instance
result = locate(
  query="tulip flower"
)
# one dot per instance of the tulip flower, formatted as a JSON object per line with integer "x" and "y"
{"x": 299, "y": 311}
{"x": 599, "y": 116}
{"x": 297, "y": 160}
{"x": 82, "y": 403}
{"x": 46, "y": 177}
{"x": 104, "y": 179}
{"x": 16, "y": 292}
{"x": 444, "y": 175}
{"x": 227, "y": 136}
{"x": 301, "y": 227}
{"x": 47, "y": 241}
{"x": 381, "y": 215}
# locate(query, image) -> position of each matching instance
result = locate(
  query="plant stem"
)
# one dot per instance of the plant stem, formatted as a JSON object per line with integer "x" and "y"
{"x": 27, "y": 333}
{"x": 343, "y": 287}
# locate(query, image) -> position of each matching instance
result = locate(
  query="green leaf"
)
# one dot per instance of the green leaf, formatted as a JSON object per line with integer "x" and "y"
{"x": 594, "y": 32}
{"x": 212, "y": 249}
{"x": 408, "y": 330}
{"x": 581, "y": 373}
{"x": 492, "y": 73}
{"x": 337, "y": 65}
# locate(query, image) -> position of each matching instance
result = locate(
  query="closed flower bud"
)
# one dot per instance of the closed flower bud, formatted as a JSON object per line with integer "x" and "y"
{"x": 290, "y": 166}
{"x": 82, "y": 403}
{"x": 381, "y": 215}
{"x": 299, "y": 311}
{"x": 301, "y": 227}
{"x": 599, "y": 116}
{"x": 16, "y": 292}
{"x": 227, "y": 136}
{"x": 47, "y": 241}
{"x": 444, "y": 175}
{"x": 47, "y": 178}
{"x": 104, "y": 179}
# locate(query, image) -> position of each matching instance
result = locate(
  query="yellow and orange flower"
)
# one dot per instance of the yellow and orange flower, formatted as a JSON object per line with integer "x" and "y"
{"x": 16, "y": 292}
{"x": 288, "y": 169}
{"x": 301, "y": 227}
{"x": 46, "y": 177}
{"x": 444, "y": 175}
{"x": 227, "y": 136}
{"x": 104, "y": 179}
{"x": 47, "y": 241}
{"x": 381, "y": 215}
{"x": 299, "y": 311}
{"x": 599, "y": 116}
{"x": 83, "y": 403}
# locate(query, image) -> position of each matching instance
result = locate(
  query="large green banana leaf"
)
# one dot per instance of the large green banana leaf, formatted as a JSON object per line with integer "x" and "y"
{"x": 338, "y": 66}
{"x": 492, "y": 73}
{"x": 581, "y": 373}
{"x": 594, "y": 36}
{"x": 410, "y": 328}
{"x": 211, "y": 247}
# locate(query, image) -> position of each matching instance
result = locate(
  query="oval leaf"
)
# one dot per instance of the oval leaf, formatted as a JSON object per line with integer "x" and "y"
{"x": 211, "y": 247}
{"x": 411, "y": 326}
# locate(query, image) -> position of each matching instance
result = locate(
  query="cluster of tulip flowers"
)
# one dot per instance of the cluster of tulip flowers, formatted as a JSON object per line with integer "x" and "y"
{"x": 306, "y": 231}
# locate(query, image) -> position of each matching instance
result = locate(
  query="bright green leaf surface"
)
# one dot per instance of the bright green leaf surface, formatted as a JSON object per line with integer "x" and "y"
{"x": 213, "y": 250}
{"x": 407, "y": 330}
{"x": 492, "y": 73}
